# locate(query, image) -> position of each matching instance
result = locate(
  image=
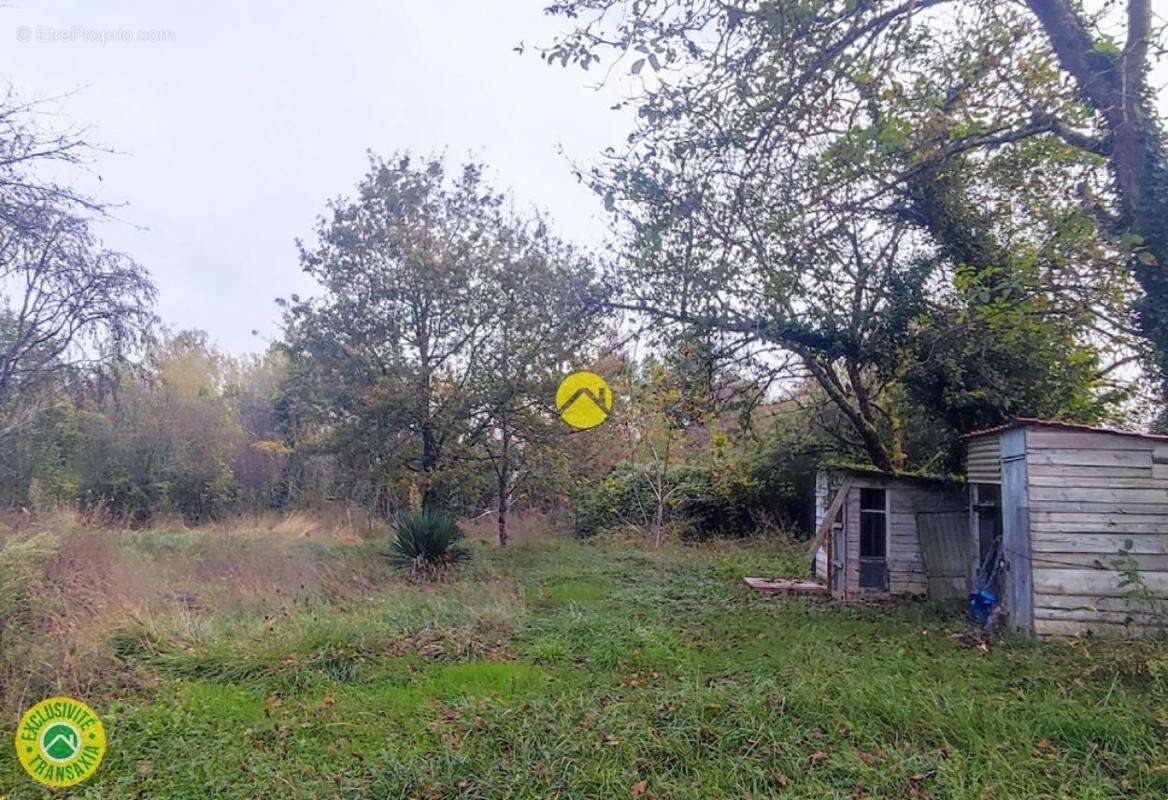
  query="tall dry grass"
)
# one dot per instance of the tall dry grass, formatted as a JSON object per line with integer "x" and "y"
{"x": 71, "y": 584}
{"x": 524, "y": 528}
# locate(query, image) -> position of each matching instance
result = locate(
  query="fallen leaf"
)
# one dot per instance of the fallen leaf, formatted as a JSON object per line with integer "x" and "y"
{"x": 639, "y": 788}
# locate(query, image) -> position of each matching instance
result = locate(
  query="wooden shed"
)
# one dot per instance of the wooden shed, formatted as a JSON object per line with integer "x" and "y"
{"x": 885, "y": 535}
{"x": 1069, "y": 514}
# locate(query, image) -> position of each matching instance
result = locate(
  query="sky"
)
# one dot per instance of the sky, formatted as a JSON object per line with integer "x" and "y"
{"x": 235, "y": 122}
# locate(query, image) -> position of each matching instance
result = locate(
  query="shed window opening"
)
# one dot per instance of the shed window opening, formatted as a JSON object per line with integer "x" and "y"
{"x": 873, "y": 523}
{"x": 987, "y": 507}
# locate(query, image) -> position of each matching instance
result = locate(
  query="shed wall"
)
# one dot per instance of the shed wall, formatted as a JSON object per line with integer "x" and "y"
{"x": 1092, "y": 496}
{"x": 983, "y": 461}
{"x": 906, "y": 569}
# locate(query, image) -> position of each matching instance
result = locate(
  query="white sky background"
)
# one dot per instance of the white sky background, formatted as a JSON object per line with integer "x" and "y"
{"x": 233, "y": 136}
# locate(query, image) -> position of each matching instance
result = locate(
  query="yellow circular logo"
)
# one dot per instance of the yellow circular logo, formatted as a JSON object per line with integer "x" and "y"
{"x": 583, "y": 400}
{"x": 60, "y": 741}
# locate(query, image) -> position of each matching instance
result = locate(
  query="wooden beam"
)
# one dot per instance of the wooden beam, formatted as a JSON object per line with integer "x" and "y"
{"x": 821, "y": 534}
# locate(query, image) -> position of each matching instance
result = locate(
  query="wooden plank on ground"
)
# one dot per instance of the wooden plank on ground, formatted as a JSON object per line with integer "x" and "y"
{"x": 787, "y": 587}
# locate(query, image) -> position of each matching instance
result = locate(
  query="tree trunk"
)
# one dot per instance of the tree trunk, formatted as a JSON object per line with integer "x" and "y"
{"x": 1115, "y": 84}
{"x": 429, "y": 462}
{"x": 658, "y": 522}
{"x": 662, "y": 491}
{"x": 504, "y": 502}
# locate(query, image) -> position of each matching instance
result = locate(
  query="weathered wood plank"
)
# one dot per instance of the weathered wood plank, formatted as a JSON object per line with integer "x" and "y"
{"x": 1088, "y": 471}
{"x": 1142, "y": 517}
{"x": 1017, "y": 577}
{"x": 1100, "y": 458}
{"x": 1049, "y": 529}
{"x": 1121, "y": 495}
{"x": 1113, "y": 509}
{"x": 1091, "y": 582}
{"x": 1091, "y": 603}
{"x": 1098, "y": 543}
{"x": 1049, "y": 439}
{"x": 1107, "y": 481}
{"x": 1052, "y": 627}
{"x": 1146, "y": 562}
{"x": 1089, "y": 616}
{"x": 787, "y": 587}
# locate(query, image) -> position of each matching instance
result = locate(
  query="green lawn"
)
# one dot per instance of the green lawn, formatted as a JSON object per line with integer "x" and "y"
{"x": 601, "y": 670}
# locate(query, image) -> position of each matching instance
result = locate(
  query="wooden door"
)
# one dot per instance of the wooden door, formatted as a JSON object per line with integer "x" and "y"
{"x": 874, "y": 539}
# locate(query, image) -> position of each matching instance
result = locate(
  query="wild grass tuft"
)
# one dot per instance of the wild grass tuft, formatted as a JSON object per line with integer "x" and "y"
{"x": 426, "y": 543}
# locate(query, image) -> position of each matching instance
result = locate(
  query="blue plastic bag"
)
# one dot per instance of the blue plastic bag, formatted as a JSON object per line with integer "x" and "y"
{"x": 981, "y": 605}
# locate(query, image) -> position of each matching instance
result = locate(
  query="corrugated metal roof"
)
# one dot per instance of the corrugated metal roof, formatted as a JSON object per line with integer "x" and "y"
{"x": 1022, "y": 422}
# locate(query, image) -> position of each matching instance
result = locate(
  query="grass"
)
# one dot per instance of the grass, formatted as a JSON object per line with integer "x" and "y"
{"x": 599, "y": 669}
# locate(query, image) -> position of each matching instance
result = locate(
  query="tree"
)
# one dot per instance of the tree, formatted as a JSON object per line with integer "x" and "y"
{"x": 167, "y": 445}
{"x": 1113, "y": 80}
{"x": 27, "y": 147}
{"x": 425, "y": 344}
{"x": 543, "y": 328}
{"x": 660, "y": 416}
{"x": 773, "y": 189}
{"x": 67, "y": 305}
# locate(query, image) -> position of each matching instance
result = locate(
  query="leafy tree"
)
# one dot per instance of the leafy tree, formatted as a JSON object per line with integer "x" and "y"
{"x": 892, "y": 89}
{"x": 543, "y": 329}
{"x": 779, "y": 188}
{"x": 441, "y": 318}
{"x": 167, "y": 444}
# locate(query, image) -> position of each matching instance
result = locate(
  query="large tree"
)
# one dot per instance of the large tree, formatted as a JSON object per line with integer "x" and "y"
{"x": 782, "y": 185}
{"x": 67, "y": 304}
{"x": 439, "y": 317}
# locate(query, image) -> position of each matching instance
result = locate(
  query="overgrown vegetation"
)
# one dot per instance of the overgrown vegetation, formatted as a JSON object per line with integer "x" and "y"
{"x": 556, "y": 666}
{"x": 761, "y": 485}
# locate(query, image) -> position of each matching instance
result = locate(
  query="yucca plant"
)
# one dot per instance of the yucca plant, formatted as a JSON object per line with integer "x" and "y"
{"x": 426, "y": 542}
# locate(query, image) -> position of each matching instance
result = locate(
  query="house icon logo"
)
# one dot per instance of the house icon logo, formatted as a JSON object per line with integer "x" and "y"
{"x": 583, "y": 400}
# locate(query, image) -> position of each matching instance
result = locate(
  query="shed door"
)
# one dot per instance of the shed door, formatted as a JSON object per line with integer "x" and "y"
{"x": 873, "y": 539}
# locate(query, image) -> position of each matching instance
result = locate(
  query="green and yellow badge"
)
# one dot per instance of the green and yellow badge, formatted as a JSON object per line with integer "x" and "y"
{"x": 60, "y": 741}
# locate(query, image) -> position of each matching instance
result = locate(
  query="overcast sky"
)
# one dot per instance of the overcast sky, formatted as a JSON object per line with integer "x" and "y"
{"x": 243, "y": 119}
{"x": 239, "y": 121}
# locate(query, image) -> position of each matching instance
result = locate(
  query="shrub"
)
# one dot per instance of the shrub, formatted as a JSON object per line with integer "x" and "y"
{"x": 739, "y": 494}
{"x": 427, "y": 542}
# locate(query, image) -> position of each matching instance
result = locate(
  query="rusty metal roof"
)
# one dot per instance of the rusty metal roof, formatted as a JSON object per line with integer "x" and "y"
{"x": 1022, "y": 422}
